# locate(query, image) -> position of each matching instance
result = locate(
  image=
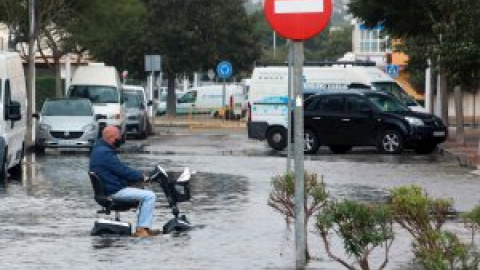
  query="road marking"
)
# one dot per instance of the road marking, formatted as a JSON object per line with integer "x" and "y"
{"x": 301, "y": 6}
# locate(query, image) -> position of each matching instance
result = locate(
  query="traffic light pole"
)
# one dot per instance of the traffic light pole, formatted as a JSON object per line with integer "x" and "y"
{"x": 300, "y": 230}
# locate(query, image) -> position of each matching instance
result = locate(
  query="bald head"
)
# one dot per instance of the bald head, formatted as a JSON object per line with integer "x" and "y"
{"x": 110, "y": 134}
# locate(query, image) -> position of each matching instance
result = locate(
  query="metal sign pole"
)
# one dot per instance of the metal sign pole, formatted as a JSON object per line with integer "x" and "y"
{"x": 300, "y": 230}
{"x": 150, "y": 92}
{"x": 290, "y": 98}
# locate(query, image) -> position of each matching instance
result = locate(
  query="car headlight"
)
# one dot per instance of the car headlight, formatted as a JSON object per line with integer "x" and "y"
{"x": 414, "y": 121}
{"x": 44, "y": 127}
{"x": 89, "y": 128}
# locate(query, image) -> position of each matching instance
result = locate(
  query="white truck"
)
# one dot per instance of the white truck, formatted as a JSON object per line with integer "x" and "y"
{"x": 268, "y": 94}
{"x": 13, "y": 110}
{"x": 101, "y": 85}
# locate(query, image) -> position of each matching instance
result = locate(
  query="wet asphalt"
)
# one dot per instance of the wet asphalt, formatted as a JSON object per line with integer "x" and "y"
{"x": 46, "y": 213}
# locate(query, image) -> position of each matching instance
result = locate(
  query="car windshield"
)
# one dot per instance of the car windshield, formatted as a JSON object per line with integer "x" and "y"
{"x": 67, "y": 108}
{"x": 133, "y": 100}
{"x": 96, "y": 94}
{"x": 387, "y": 103}
{"x": 395, "y": 90}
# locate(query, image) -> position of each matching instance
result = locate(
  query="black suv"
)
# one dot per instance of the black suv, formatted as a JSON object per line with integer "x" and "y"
{"x": 343, "y": 119}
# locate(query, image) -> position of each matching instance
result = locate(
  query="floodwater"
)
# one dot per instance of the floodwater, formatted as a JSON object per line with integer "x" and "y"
{"x": 46, "y": 215}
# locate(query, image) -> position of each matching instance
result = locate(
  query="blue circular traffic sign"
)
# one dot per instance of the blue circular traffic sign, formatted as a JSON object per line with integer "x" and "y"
{"x": 224, "y": 70}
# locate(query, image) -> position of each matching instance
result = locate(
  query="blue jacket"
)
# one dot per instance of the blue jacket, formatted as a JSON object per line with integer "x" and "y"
{"x": 115, "y": 174}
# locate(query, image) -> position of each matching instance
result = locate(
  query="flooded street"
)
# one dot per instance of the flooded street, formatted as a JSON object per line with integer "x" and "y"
{"x": 47, "y": 214}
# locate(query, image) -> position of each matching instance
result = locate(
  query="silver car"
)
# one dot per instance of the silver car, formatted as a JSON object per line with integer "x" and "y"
{"x": 137, "y": 117}
{"x": 66, "y": 122}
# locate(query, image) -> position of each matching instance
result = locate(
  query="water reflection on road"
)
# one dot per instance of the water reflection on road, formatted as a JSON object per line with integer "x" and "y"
{"x": 47, "y": 214}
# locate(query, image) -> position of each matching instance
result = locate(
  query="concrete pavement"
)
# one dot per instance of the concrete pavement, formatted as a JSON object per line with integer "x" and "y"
{"x": 467, "y": 153}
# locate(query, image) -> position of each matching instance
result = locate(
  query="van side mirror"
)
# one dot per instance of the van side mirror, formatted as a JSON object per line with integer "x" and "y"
{"x": 14, "y": 111}
{"x": 150, "y": 103}
{"x": 36, "y": 115}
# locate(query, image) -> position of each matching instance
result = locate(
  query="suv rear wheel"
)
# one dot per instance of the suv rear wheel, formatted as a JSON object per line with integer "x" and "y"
{"x": 311, "y": 142}
{"x": 277, "y": 138}
{"x": 390, "y": 142}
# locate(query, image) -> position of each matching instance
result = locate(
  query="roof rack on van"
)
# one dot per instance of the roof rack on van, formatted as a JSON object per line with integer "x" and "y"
{"x": 323, "y": 63}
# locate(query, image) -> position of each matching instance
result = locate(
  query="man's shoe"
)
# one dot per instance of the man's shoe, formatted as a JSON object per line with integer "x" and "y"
{"x": 141, "y": 232}
{"x": 152, "y": 232}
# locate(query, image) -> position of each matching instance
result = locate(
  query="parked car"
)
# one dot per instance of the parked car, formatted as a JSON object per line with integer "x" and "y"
{"x": 66, "y": 122}
{"x": 148, "y": 102}
{"x": 137, "y": 116}
{"x": 344, "y": 119}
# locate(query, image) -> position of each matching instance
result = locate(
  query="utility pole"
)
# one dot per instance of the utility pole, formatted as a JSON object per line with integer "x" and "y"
{"x": 300, "y": 228}
{"x": 289, "y": 106}
{"x": 31, "y": 75}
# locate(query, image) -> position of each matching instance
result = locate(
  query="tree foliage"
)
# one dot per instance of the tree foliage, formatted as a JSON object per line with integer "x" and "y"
{"x": 331, "y": 44}
{"x": 446, "y": 31}
{"x": 195, "y": 35}
{"x": 112, "y": 31}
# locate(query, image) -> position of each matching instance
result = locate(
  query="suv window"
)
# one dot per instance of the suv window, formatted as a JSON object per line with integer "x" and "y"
{"x": 356, "y": 104}
{"x": 330, "y": 104}
{"x": 387, "y": 103}
{"x": 395, "y": 90}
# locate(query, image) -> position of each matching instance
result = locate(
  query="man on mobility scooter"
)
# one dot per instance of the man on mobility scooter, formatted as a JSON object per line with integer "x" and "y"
{"x": 118, "y": 184}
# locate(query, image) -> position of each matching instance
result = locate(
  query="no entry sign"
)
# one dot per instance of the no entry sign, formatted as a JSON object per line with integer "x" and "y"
{"x": 298, "y": 19}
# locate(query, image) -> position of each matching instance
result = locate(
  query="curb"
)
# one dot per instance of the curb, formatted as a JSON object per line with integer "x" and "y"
{"x": 463, "y": 159}
{"x": 181, "y": 124}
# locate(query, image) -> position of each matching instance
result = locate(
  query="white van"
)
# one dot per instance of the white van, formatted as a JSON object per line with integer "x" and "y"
{"x": 13, "y": 109}
{"x": 268, "y": 94}
{"x": 209, "y": 99}
{"x": 101, "y": 85}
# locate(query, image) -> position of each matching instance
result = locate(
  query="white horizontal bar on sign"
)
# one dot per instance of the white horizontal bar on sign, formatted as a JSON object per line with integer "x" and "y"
{"x": 301, "y": 6}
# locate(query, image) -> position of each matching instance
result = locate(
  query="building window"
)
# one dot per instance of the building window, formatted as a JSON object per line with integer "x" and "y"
{"x": 371, "y": 41}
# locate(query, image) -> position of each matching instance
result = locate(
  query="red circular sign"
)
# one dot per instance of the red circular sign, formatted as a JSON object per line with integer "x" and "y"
{"x": 298, "y": 19}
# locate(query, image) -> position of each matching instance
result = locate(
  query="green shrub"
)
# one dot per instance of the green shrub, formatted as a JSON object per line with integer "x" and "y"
{"x": 424, "y": 217}
{"x": 282, "y": 197}
{"x": 361, "y": 227}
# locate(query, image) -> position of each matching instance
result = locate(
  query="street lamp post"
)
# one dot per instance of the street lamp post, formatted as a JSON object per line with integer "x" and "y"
{"x": 31, "y": 74}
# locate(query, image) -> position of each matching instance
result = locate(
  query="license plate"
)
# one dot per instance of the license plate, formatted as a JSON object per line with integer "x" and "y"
{"x": 439, "y": 133}
{"x": 67, "y": 142}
